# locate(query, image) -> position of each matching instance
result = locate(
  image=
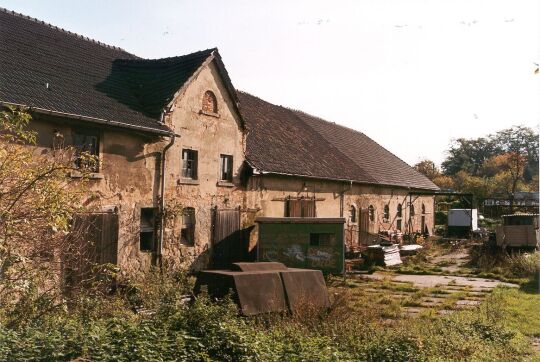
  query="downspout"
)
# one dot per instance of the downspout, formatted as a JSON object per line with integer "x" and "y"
{"x": 159, "y": 247}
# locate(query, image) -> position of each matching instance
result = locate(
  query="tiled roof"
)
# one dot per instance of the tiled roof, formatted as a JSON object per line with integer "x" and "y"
{"x": 49, "y": 68}
{"x": 285, "y": 141}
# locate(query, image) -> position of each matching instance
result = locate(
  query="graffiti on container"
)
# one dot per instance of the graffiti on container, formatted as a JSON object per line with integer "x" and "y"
{"x": 295, "y": 252}
{"x": 320, "y": 258}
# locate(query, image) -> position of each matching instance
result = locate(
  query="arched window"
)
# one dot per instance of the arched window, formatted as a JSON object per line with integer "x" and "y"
{"x": 371, "y": 211}
{"x": 353, "y": 213}
{"x": 209, "y": 102}
{"x": 412, "y": 209}
{"x": 423, "y": 209}
{"x": 386, "y": 215}
{"x": 399, "y": 210}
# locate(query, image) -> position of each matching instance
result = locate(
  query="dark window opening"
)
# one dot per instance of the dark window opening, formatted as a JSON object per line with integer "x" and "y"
{"x": 147, "y": 232}
{"x": 189, "y": 163}
{"x": 322, "y": 239}
{"x": 226, "y": 168}
{"x": 371, "y": 211}
{"x": 386, "y": 215}
{"x": 187, "y": 235}
{"x": 86, "y": 144}
{"x": 398, "y": 224}
{"x": 412, "y": 210}
{"x": 399, "y": 211}
{"x": 423, "y": 209}
{"x": 353, "y": 213}
{"x": 302, "y": 207}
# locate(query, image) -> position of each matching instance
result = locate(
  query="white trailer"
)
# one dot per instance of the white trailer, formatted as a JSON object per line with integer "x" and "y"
{"x": 462, "y": 221}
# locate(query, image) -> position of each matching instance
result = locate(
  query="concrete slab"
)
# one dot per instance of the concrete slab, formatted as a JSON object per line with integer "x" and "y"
{"x": 430, "y": 281}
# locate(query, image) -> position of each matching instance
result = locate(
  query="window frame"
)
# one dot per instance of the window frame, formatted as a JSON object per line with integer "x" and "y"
{"x": 189, "y": 222}
{"x": 228, "y": 173}
{"x": 147, "y": 228}
{"x": 86, "y": 133}
{"x": 194, "y": 164}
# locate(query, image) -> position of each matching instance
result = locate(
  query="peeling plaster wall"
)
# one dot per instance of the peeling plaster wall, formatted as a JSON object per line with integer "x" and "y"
{"x": 267, "y": 193}
{"x": 211, "y": 136}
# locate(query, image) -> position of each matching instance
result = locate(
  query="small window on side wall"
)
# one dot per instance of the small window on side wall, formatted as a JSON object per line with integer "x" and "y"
{"x": 386, "y": 215}
{"x": 371, "y": 212}
{"x": 189, "y": 164}
{"x": 86, "y": 144}
{"x": 147, "y": 229}
{"x": 353, "y": 214}
{"x": 226, "y": 167}
{"x": 187, "y": 234}
{"x": 399, "y": 211}
{"x": 209, "y": 102}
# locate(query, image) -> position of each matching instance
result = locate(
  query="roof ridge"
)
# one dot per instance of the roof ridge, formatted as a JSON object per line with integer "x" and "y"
{"x": 62, "y": 30}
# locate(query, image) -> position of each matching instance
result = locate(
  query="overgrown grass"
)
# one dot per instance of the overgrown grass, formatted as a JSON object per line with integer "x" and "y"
{"x": 358, "y": 327}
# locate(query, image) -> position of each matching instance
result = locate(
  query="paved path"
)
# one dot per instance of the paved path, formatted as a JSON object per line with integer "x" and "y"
{"x": 430, "y": 281}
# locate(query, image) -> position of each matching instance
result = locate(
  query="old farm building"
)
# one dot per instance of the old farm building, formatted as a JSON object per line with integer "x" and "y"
{"x": 176, "y": 131}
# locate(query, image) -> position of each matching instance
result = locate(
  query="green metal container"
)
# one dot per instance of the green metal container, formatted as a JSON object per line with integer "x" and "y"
{"x": 307, "y": 242}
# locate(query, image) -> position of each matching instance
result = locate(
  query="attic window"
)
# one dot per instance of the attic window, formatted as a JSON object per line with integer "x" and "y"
{"x": 209, "y": 102}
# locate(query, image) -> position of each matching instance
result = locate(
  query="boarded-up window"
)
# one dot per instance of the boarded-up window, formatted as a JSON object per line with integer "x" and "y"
{"x": 209, "y": 102}
{"x": 147, "y": 231}
{"x": 189, "y": 164}
{"x": 300, "y": 207}
{"x": 187, "y": 234}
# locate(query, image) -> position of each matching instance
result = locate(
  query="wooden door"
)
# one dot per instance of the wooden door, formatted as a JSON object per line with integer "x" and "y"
{"x": 229, "y": 244}
{"x": 363, "y": 227}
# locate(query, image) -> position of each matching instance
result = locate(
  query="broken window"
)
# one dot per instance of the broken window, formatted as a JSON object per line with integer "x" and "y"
{"x": 86, "y": 144}
{"x": 386, "y": 214}
{"x": 189, "y": 163}
{"x": 353, "y": 213}
{"x": 300, "y": 207}
{"x": 187, "y": 234}
{"x": 209, "y": 102}
{"x": 226, "y": 166}
{"x": 147, "y": 232}
{"x": 371, "y": 211}
{"x": 322, "y": 239}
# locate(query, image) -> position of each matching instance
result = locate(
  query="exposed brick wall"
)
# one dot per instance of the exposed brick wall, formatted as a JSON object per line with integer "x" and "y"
{"x": 209, "y": 102}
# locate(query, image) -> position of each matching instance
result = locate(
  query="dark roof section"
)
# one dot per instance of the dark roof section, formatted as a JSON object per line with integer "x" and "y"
{"x": 285, "y": 141}
{"x": 49, "y": 68}
{"x": 279, "y": 142}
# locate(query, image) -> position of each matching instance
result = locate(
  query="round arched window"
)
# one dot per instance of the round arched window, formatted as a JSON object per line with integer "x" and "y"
{"x": 209, "y": 102}
{"x": 423, "y": 209}
{"x": 371, "y": 211}
{"x": 386, "y": 215}
{"x": 399, "y": 210}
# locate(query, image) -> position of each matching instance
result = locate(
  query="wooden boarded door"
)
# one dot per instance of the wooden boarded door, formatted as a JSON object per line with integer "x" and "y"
{"x": 228, "y": 241}
{"x": 363, "y": 227}
{"x": 94, "y": 241}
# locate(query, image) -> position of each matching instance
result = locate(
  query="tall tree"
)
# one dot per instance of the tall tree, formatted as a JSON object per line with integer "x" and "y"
{"x": 428, "y": 168}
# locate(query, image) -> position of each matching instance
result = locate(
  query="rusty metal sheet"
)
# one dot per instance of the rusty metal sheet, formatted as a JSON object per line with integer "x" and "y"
{"x": 305, "y": 289}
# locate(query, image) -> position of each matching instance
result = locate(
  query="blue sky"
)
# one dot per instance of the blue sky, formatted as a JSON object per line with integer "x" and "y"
{"x": 410, "y": 74}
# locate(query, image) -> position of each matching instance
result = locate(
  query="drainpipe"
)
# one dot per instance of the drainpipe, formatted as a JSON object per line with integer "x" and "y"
{"x": 159, "y": 248}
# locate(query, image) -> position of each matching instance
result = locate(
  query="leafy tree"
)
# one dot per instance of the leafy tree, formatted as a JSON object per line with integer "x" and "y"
{"x": 428, "y": 168}
{"x": 37, "y": 202}
{"x": 469, "y": 155}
